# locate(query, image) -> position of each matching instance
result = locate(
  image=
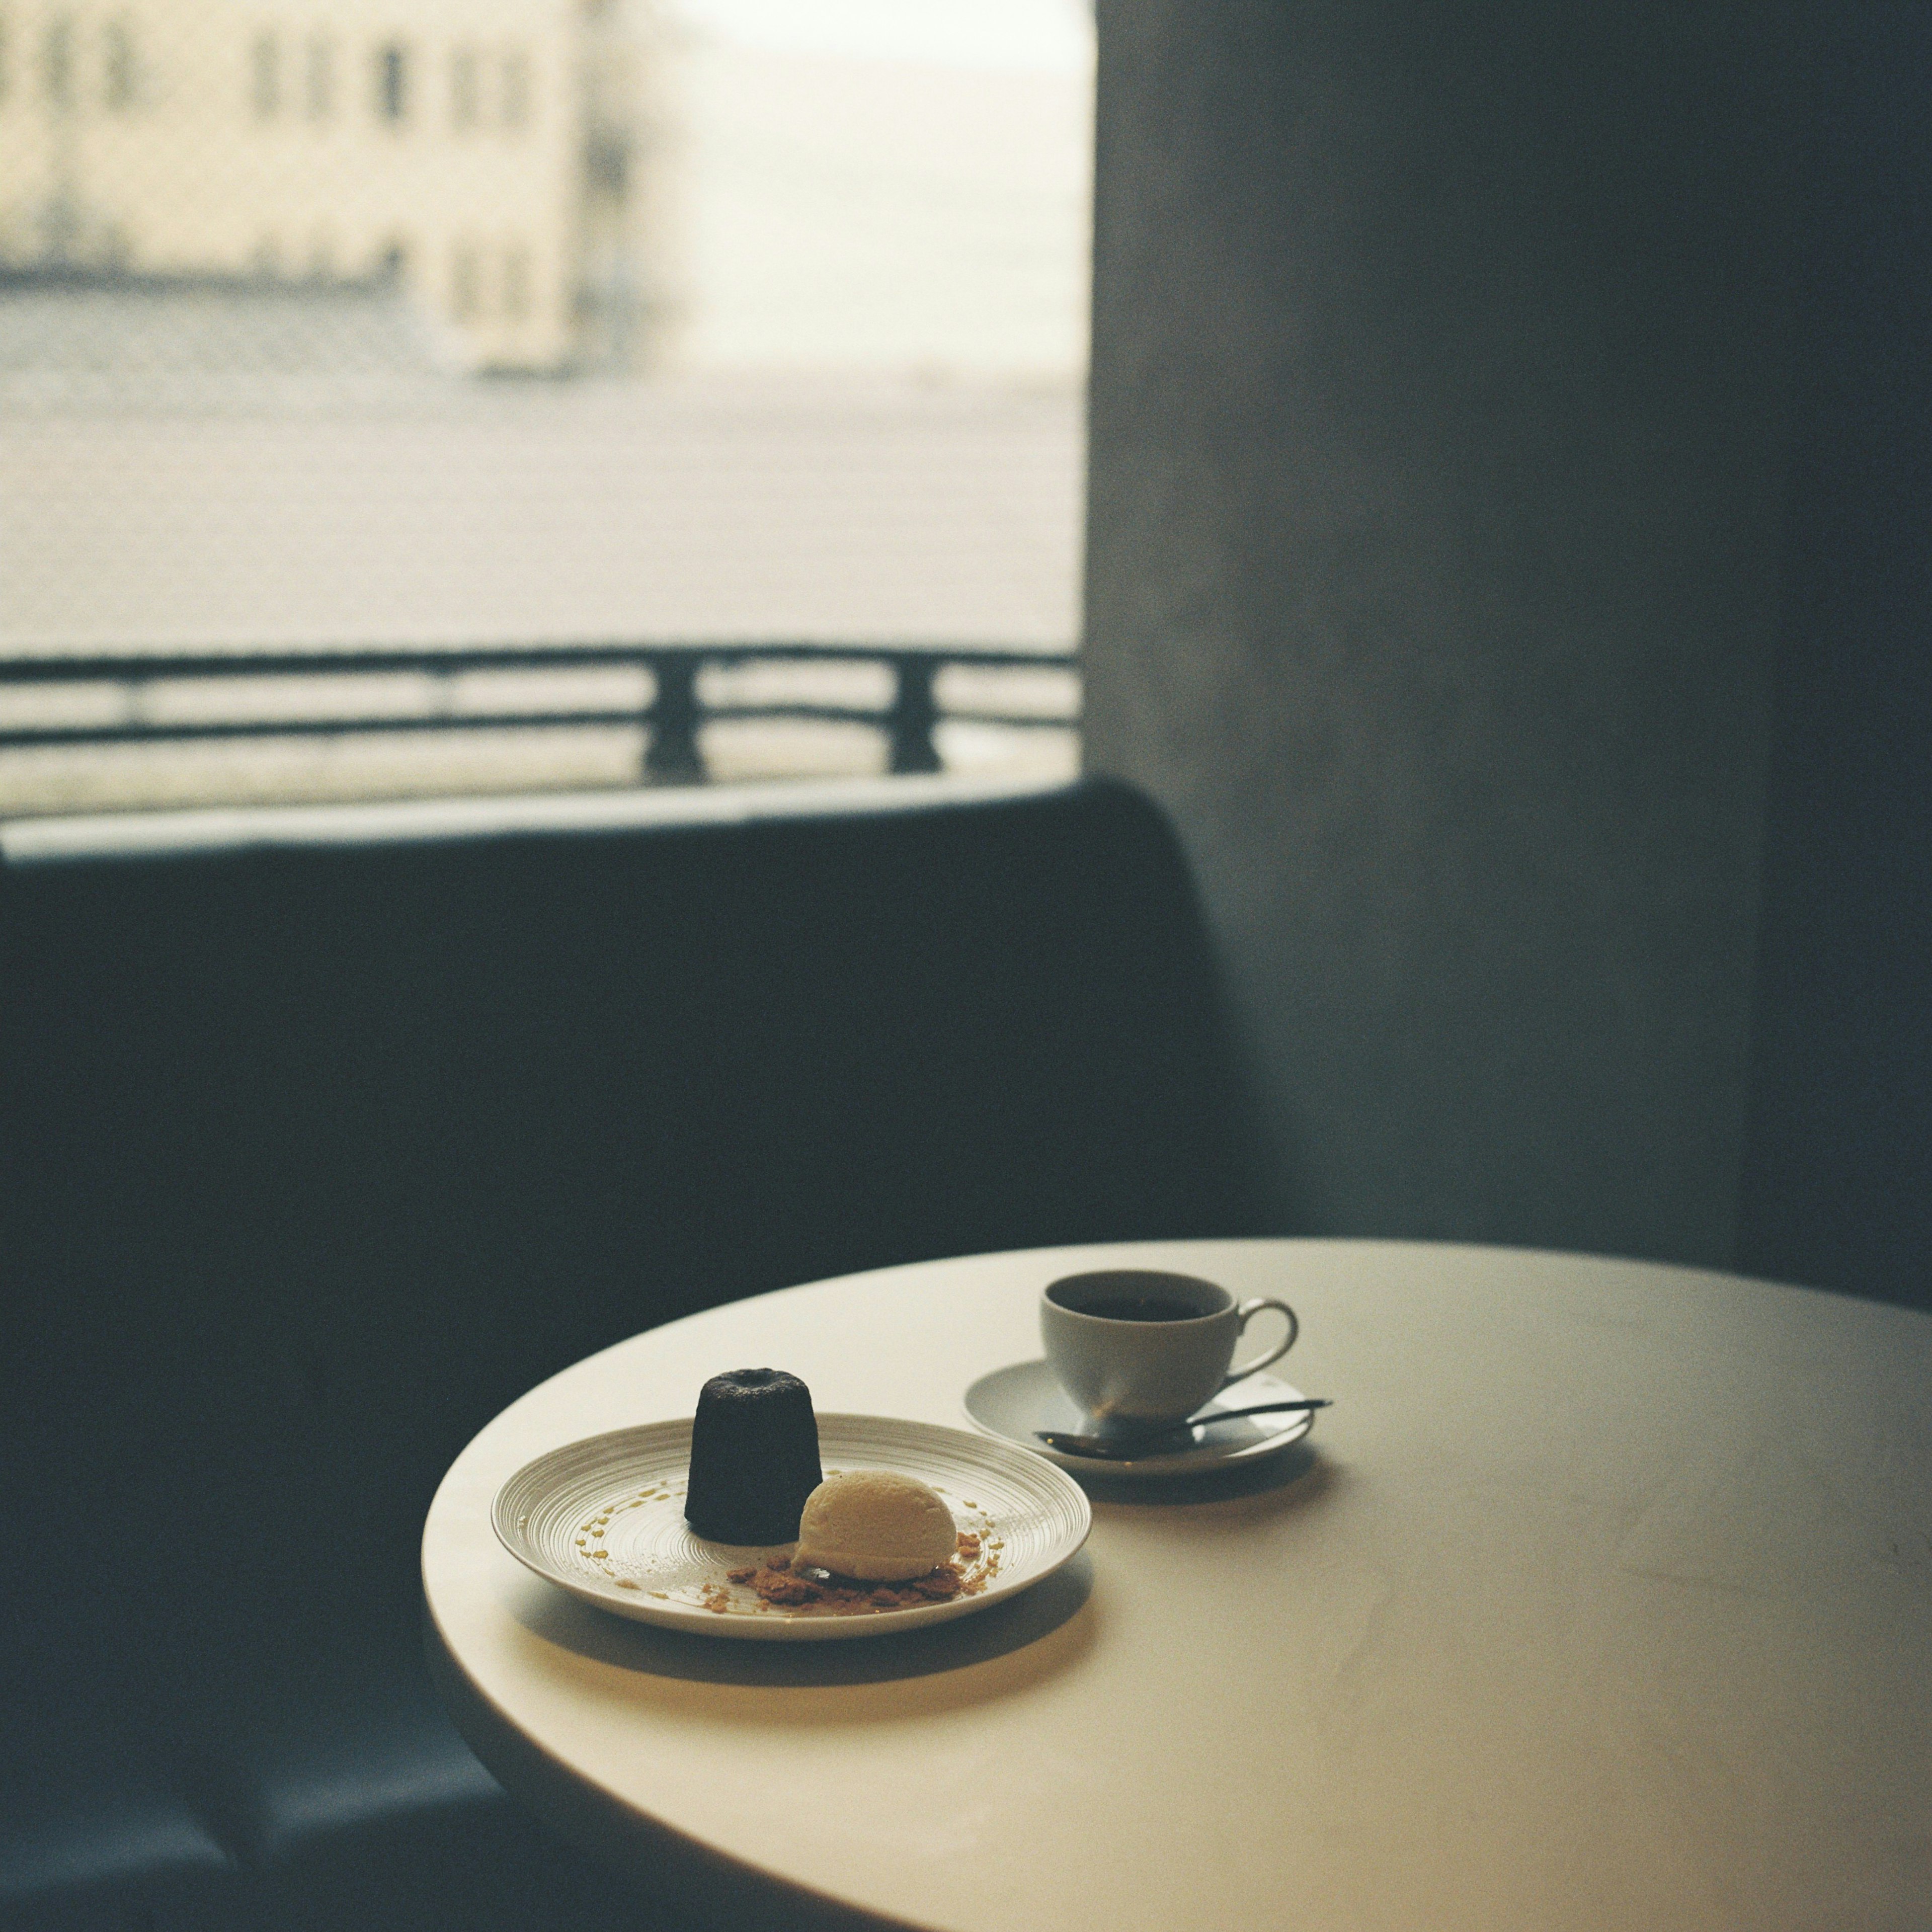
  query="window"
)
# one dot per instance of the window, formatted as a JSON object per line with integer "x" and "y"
{"x": 463, "y": 104}
{"x": 265, "y": 76}
{"x": 60, "y": 64}
{"x": 516, "y": 284}
{"x": 514, "y": 101}
{"x": 466, "y": 284}
{"x": 6, "y": 59}
{"x": 392, "y": 82}
{"x": 318, "y": 78}
{"x": 119, "y": 76}
{"x": 803, "y": 280}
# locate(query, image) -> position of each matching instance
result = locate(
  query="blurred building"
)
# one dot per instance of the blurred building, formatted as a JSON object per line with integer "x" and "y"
{"x": 501, "y": 160}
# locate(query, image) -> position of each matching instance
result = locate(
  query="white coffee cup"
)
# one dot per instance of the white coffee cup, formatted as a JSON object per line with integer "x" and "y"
{"x": 1137, "y": 1347}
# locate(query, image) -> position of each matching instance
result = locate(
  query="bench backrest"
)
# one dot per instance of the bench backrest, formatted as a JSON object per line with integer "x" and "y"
{"x": 334, "y": 1149}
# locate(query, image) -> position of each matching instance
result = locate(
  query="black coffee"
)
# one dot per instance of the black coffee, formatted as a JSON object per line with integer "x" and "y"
{"x": 1140, "y": 1308}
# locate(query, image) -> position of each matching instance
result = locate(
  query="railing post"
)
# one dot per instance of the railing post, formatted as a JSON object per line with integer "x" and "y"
{"x": 914, "y": 714}
{"x": 673, "y": 757}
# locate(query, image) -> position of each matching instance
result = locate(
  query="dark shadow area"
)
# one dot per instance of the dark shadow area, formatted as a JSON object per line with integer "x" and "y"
{"x": 1838, "y": 1173}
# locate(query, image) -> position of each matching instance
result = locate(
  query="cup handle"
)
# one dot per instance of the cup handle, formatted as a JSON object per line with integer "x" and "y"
{"x": 1245, "y": 1312}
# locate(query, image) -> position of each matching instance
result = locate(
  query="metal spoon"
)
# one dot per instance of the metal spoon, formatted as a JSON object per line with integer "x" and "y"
{"x": 1125, "y": 1448}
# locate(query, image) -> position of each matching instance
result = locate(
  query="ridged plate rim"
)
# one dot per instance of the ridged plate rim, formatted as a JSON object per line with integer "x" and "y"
{"x": 669, "y": 1442}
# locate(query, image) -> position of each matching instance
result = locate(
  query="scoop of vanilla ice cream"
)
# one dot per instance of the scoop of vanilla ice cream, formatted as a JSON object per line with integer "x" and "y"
{"x": 877, "y": 1526}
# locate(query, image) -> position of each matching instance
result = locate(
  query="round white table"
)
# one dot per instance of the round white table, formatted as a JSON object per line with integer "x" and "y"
{"x": 1602, "y": 1598}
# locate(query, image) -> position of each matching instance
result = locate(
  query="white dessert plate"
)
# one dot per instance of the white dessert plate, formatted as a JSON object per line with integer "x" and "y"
{"x": 1012, "y": 1402}
{"x": 604, "y": 1519}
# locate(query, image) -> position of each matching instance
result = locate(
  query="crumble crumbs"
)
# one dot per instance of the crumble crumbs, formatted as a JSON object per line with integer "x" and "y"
{"x": 777, "y": 1584}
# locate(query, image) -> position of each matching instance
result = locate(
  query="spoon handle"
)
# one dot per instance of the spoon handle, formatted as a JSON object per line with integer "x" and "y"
{"x": 1259, "y": 1408}
{"x": 1058, "y": 1438}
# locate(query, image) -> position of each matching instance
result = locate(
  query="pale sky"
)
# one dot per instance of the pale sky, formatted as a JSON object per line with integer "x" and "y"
{"x": 1048, "y": 36}
{"x": 887, "y": 184}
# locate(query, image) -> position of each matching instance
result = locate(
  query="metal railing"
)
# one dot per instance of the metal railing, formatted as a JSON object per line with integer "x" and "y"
{"x": 673, "y": 716}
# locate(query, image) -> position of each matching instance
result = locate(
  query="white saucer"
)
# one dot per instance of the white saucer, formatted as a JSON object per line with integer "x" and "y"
{"x": 1012, "y": 1402}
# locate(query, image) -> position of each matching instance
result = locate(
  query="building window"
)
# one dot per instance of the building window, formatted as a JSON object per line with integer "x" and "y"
{"x": 466, "y": 284}
{"x": 6, "y": 59}
{"x": 265, "y": 76}
{"x": 516, "y": 284}
{"x": 464, "y": 92}
{"x": 514, "y": 100}
{"x": 392, "y": 82}
{"x": 59, "y": 48}
{"x": 119, "y": 75}
{"x": 318, "y": 78}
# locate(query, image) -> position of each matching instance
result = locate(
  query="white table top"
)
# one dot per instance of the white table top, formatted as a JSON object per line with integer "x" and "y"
{"x": 1603, "y": 1599}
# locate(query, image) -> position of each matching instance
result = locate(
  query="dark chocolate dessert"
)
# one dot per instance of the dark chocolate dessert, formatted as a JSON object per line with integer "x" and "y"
{"x": 754, "y": 1457}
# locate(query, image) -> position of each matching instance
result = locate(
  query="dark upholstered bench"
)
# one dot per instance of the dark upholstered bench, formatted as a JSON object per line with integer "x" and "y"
{"x": 317, "y": 1153}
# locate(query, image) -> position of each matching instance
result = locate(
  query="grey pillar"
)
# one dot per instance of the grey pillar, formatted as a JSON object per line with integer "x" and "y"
{"x": 1441, "y": 359}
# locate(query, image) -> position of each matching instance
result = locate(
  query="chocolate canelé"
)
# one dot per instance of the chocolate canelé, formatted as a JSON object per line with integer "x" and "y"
{"x": 754, "y": 1457}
